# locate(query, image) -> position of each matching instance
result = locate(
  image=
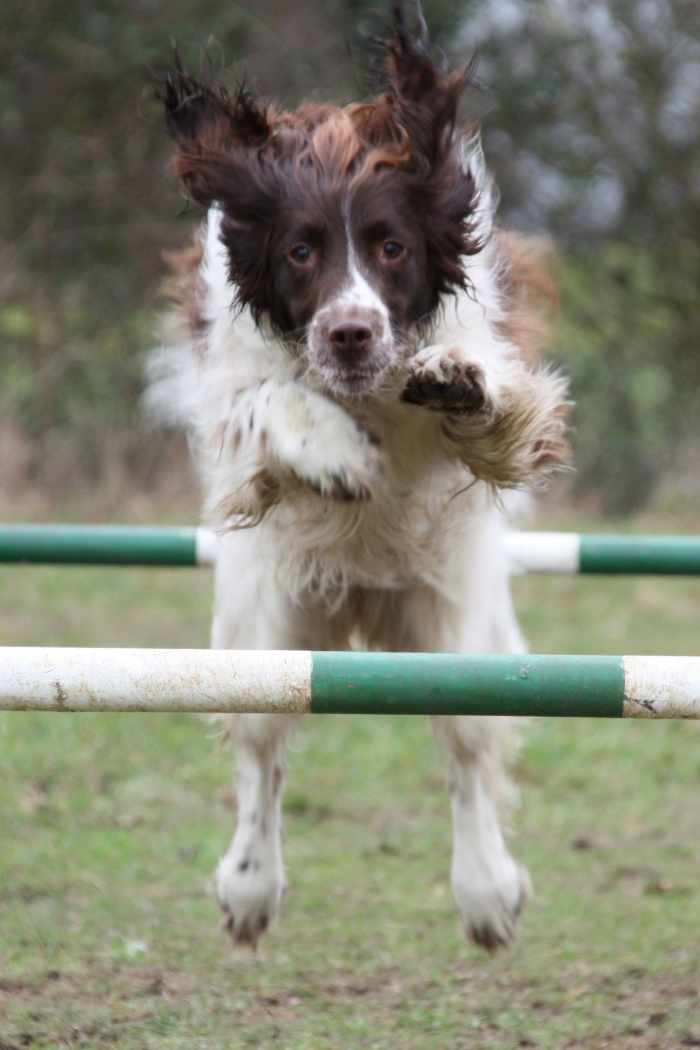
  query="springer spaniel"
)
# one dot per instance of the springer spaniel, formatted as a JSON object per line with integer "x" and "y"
{"x": 350, "y": 355}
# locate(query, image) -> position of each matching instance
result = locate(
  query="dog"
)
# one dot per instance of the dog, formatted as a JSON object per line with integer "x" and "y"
{"x": 351, "y": 354}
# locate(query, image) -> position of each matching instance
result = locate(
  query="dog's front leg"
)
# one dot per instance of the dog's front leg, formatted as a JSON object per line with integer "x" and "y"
{"x": 316, "y": 441}
{"x": 506, "y": 425}
{"x": 279, "y": 433}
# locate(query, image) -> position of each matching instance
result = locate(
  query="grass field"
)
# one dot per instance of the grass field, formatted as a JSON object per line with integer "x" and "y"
{"x": 111, "y": 826}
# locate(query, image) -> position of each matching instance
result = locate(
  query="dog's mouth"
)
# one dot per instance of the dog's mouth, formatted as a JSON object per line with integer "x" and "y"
{"x": 357, "y": 378}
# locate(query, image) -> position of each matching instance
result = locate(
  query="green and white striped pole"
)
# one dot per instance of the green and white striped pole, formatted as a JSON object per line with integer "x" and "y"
{"x": 55, "y": 679}
{"x": 589, "y": 553}
{"x": 107, "y": 545}
{"x": 551, "y": 552}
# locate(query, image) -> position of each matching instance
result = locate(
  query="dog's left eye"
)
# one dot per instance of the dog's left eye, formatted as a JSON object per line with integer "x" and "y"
{"x": 392, "y": 250}
{"x": 300, "y": 253}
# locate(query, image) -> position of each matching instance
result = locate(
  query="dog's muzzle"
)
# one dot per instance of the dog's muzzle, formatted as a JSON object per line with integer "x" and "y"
{"x": 352, "y": 348}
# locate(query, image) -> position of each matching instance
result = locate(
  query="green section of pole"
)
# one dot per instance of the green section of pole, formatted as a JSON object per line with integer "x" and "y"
{"x": 662, "y": 555}
{"x": 445, "y": 684}
{"x": 98, "y": 544}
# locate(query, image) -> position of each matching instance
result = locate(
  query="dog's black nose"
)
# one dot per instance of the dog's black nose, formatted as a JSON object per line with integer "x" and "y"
{"x": 350, "y": 336}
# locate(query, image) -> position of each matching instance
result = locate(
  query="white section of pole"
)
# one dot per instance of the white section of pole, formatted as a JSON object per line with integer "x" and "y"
{"x": 661, "y": 687}
{"x": 543, "y": 551}
{"x": 206, "y": 546}
{"x": 40, "y": 679}
{"x": 526, "y": 551}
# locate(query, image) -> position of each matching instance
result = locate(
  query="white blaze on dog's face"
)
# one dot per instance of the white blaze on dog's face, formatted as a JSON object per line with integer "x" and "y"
{"x": 347, "y": 276}
{"x": 350, "y": 338}
{"x": 344, "y": 227}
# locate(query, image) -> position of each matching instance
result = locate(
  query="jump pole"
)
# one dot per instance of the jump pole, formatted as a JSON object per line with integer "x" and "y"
{"x": 108, "y": 545}
{"x": 552, "y": 552}
{"x": 603, "y": 554}
{"x": 58, "y": 679}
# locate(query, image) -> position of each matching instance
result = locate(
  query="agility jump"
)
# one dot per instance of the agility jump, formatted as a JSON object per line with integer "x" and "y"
{"x": 62, "y": 679}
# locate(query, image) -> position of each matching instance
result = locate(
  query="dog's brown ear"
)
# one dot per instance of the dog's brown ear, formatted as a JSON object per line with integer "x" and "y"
{"x": 221, "y": 139}
{"x": 217, "y": 136}
{"x": 425, "y": 102}
{"x": 196, "y": 107}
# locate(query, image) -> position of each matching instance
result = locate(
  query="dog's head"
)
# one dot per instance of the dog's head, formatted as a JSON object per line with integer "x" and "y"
{"x": 343, "y": 226}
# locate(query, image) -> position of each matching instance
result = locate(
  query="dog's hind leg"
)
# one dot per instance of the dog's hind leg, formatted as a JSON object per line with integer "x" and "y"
{"x": 250, "y": 877}
{"x": 253, "y": 613}
{"x": 489, "y": 887}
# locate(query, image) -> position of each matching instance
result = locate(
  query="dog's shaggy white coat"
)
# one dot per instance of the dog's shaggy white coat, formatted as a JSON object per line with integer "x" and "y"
{"x": 414, "y": 562}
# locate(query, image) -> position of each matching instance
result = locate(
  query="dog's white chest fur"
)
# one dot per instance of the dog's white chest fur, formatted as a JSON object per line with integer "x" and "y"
{"x": 273, "y": 445}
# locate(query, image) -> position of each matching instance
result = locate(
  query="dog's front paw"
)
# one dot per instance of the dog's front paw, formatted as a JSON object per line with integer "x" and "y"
{"x": 341, "y": 460}
{"x": 314, "y": 440}
{"x": 443, "y": 381}
{"x": 355, "y": 472}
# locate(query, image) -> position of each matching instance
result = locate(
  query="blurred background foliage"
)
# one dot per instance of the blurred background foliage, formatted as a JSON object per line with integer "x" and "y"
{"x": 591, "y": 121}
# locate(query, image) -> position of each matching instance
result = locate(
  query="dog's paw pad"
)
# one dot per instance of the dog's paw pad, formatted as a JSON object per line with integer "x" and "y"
{"x": 447, "y": 385}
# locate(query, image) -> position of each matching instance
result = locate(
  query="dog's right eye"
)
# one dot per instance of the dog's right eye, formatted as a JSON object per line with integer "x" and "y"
{"x": 392, "y": 250}
{"x": 300, "y": 253}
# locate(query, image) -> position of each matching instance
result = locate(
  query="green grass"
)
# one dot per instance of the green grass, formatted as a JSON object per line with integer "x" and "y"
{"x": 112, "y": 824}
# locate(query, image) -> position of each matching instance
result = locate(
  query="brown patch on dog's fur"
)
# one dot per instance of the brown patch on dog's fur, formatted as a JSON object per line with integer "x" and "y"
{"x": 530, "y": 295}
{"x": 183, "y": 287}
